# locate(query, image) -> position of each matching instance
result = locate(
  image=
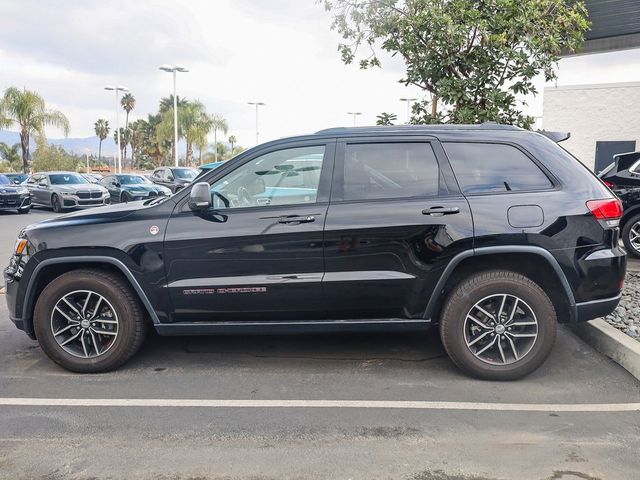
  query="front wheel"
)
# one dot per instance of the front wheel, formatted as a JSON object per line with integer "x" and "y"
{"x": 56, "y": 204}
{"x": 631, "y": 236}
{"x": 498, "y": 325}
{"x": 125, "y": 197}
{"x": 24, "y": 210}
{"x": 89, "y": 321}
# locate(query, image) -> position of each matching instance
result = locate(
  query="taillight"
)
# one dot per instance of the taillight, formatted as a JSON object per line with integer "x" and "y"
{"x": 609, "y": 209}
{"x": 608, "y": 184}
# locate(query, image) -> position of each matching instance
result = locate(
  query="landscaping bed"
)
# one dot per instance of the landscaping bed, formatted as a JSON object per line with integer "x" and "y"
{"x": 626, "y": 317}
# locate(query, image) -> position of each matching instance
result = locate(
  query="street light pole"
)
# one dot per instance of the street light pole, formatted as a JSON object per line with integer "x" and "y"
{"x": 408, "y": 100}
{"x": 118, "y": 89}
{"x": 174, "y": 69}
{"x": 355, "y": 114}
{"x": 257, "y": 104}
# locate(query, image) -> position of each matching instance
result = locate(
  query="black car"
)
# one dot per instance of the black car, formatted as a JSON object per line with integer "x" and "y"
{"x": 493, "y": 233}
{"x": 174, "y": 178}
{"x": 16, "y": 178}
{"x": 13, "y": 197}
{"x": 623, "y": 177}
{"x": 129, "y": 187}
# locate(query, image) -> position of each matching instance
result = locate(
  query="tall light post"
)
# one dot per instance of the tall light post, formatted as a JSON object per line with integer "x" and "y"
{"x": 257, "y": 104}
{"x": 174, "y": 69}
{"x": 355, "y": 114}
{"x": 408, "y": 100}
{"x": 118, "y": 89}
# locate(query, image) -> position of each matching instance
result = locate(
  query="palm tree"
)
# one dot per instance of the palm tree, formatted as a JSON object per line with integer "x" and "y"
{"x": 166, "y": 103}
{"x": 27, "y": 110}
{"x": 137, "y": 135}
{"x": 232, "y": 141}
{"x": 128, "y": 103}
{"x": 219, "y": 123}
{"x": 195, "y": 125}
{"x": 125, "y": 137}
{"x": 10, "y": 153}
{"x": 102, "y": 132}
{"x": 386, "y": 118}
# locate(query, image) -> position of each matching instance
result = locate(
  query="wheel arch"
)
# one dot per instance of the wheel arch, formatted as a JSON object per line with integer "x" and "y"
{"x": 534, "y": 262}
{"x": 49, "y": 269}
{"x": 629, "y": 214}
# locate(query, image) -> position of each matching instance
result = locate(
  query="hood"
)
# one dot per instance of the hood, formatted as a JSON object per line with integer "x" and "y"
{"x": 83, "y": 187}
{"x": 106, "y": 214}
{"x": 143, "y": 187}
{"x": 12, "y": 188}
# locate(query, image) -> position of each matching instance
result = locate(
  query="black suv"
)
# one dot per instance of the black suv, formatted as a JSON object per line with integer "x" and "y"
{"x": 494, "y": 233}
{"x": 174, "y": 178}
{"x": 623, "y": 177}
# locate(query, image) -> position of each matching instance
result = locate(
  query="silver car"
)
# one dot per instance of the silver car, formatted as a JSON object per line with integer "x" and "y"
{"x": 65, "y": 190}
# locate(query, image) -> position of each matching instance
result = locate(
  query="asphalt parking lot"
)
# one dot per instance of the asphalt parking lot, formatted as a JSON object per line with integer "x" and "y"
{"x": 366, "y": 406}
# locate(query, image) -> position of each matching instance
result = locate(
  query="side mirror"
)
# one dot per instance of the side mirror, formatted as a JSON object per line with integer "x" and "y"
{"x": 116, "y": 184}
{"x": 17, "y": 182}
{"x": 200, "y": 196}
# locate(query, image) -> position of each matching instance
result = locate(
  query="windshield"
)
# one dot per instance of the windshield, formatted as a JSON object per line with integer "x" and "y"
{"x": 185, "y": 173}
{"x": 4, "y": 180}
{"x": 132, "y": 180}
{"x": 67, "y": 179}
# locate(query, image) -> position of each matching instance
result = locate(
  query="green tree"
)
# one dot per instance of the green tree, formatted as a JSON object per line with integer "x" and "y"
{"x": 473, "y": 56}
{"x": 27, "y": 110}
{"x": 137, "y": 132}
{"x": 386, "y": 118}
{"x": 102, "y": 130}
{"x": 125, "y": 138}
{"x": 128, "y": 103}
{"x": 219, "y": 123}
{"x": 53, "y": 157}
{"x": 232, "y": 141}
{"x": 166, "y": 103}
{"x": 11, "y": 154}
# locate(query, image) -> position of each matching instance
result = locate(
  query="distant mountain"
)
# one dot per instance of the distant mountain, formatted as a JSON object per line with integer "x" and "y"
{"x": 75, "y": 145}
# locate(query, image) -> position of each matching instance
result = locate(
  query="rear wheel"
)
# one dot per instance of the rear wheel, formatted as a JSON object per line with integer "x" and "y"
{"x": 56, "y": 203}
{"x": 498, "y": 325}
{"x": 631, "y": 236}
{"x": 89, "y": 321}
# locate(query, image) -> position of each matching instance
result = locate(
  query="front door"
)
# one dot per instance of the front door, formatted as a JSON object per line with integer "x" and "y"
{"x": 257, "y": 253}
{"x": 396, "y": 217}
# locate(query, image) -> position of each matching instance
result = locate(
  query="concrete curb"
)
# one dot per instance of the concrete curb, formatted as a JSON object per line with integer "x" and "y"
{"x": 611, "y": 342}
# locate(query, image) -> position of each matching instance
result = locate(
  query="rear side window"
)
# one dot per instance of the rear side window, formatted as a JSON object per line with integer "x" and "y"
{"x": 390, "y": 170}
{"x": 494, "y": 168}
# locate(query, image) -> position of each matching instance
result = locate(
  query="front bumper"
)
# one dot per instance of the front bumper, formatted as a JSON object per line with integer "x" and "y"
{"x": 72, "y": 201}
{"x": 14, "y": 201}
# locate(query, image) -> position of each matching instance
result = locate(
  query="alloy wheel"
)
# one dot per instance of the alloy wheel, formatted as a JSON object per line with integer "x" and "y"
{"x": 500, "y": 329}
{"x": 634, "y": 236}
{"x": 84, "y": 324}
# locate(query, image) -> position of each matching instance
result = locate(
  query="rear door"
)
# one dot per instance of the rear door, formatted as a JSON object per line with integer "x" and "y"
{"x": 396, "y": 218}
{"x": 256, "y": 254}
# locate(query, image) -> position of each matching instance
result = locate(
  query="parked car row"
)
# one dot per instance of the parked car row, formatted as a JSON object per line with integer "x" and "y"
{"x": 62, "y": 191}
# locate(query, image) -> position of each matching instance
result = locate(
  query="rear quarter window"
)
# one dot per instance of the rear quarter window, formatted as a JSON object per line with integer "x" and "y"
{"x": 494, "y": 168}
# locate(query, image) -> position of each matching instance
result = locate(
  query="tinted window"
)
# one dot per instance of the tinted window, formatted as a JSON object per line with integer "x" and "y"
{"x": 185, "y": 173}
{"x": 487, "y": 167}
{"x": 132, "y": 180}
{"x": 284, "y": 177}
{"x": 390, "y": 170}
{"x": 4, "y": 180}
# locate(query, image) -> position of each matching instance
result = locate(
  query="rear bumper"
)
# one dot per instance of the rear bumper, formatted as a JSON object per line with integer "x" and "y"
{"x": 596, "y": 308}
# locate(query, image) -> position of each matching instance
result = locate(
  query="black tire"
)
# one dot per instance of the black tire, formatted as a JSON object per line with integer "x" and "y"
{"x": 56, "y": 203}
{"x": 627, "y": 234}
{"x": 125, "y": 197}
{"x": 474, "y": 289}
{"x": 130, "y": 313}
{"x": 24, "y": 210}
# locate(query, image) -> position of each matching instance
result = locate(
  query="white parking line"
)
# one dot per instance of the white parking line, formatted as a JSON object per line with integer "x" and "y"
{"x": 384, "y": 404}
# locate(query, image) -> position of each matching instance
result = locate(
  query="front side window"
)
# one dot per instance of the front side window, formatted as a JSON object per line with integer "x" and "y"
{"x": 494, "y": 168}
{"x": 390, "y": 170}
{"x": 284, "y": 177}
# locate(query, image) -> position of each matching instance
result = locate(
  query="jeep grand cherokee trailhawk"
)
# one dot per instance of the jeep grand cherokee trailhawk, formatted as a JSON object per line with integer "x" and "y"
{"x": 493, "y": 233}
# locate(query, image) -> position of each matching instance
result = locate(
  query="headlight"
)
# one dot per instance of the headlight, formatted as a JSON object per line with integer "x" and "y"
{"x": 67, "y": 193}
{"x": 20, "y": 247}
{"x": 22, "y": 191}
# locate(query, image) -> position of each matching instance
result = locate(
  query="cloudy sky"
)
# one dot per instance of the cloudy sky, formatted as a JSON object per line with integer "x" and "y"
{"x": 280, "y": 52}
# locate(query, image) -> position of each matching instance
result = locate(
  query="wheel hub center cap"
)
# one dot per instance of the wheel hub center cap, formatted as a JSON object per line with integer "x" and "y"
{"x": 85, "y": 323}
{"x": 500, "y": 329}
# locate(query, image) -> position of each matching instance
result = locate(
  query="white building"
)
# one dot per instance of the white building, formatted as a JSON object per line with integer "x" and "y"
{"x": 603, "y": 119}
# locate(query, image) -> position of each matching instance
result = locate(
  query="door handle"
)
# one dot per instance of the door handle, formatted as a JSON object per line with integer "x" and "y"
{"x": 297, "y": 219}
{"x": 440, "y": 211}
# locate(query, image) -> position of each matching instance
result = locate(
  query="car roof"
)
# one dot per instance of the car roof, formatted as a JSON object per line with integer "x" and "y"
{"x": 415, "y": 129}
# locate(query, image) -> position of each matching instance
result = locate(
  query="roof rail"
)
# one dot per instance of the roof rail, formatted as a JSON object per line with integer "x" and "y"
{"x": 415, "y": 128}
